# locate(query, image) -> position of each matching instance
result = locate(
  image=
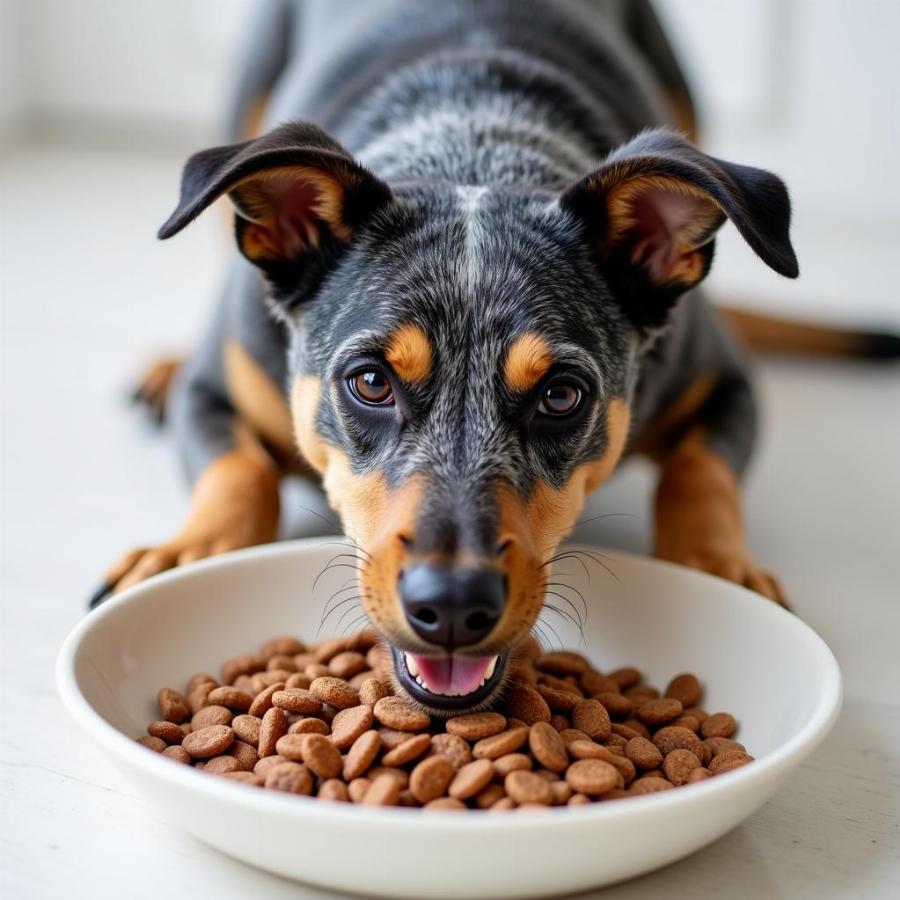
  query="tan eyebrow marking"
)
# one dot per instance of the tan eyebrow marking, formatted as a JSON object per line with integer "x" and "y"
{"x": 527, "y": 361}
{"x": 409, "y": 353}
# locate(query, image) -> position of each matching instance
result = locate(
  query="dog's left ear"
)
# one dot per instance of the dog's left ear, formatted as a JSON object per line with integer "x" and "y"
{"x": 295, "y": 190}
{"x": 654, "y": 206}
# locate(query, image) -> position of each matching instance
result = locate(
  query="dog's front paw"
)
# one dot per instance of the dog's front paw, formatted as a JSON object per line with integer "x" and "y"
{"x": 734, "y": 566}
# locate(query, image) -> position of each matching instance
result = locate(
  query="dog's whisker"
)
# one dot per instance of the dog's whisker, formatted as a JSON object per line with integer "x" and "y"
{"x": 574, "y": 590}
{"x": 327, "y": 612}
{"x": 331, "y": 567}
{"x": 561, "y": 556}
{"x": 347, "y": 544}
{"x": 603, "y": 516}
{"x": 356, "y": 623}
{"x": 561, "y": 612}
{"x": 577, "y": 615}
{"x": 348, "y": 611}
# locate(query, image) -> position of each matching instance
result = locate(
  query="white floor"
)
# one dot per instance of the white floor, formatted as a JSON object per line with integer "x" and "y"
{"x": 88, "y": 295}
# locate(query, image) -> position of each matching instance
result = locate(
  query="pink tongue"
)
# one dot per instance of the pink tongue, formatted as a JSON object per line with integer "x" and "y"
{"x": 452, "y": 674}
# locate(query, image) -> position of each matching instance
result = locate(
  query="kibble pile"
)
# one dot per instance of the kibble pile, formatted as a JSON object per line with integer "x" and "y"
{"x": 323, "y": 721}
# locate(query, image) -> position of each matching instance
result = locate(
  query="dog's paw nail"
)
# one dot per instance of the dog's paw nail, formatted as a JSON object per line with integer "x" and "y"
{"x": 100, "y": 595}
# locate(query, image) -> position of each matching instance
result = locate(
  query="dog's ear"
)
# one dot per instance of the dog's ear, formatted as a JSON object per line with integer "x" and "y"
{"x": 295, "y": 190}
{"x": 654, "y": 206}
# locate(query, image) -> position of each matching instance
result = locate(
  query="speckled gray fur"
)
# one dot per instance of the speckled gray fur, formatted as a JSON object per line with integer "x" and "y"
{"x": 478, "y": 114}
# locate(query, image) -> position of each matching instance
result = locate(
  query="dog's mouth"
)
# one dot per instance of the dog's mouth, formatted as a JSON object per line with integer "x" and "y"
{"x": 449, "y": 683}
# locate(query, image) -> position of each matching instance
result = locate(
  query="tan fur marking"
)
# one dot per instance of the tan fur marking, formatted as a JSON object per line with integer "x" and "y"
{"x": 535, "y": 528}
{"x": 257, "y": 399}
{"x": 527, "y": 361}
{"x": 372, "y": 513}
{"x": 409, "y": 353}
{"x": 668, "y": 427}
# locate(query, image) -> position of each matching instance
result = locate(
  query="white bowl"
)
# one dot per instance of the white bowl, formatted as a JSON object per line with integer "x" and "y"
{"x": 758, "y": 661}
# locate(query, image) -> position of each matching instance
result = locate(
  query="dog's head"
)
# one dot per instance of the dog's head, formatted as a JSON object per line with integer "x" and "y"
{"x": 462, "y": 360}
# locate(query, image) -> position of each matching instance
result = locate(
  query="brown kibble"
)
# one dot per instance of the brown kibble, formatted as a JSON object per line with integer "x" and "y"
{"x": 617, "y": 705}
{"x": 321, "y": 757}
{"x": 500, "y": 744}
{"x": 391, "y": 738}
{"x": 262, "y": 702}
{"x": 325, "y": 650}
{"x": 247, "y": 728}
{"x": 290, "y": 746}
{"x": 349, "y": 724}
{"x": 454, "y": 748}
{"x": 231, "y": 698}
{"x": 298, "y": 680}
{"x": 591, "y": 717}
{"x": 222, "y": 765}
{"x": 655, "y": 712}
{"x": 297, "y": 700}
{"x": 700, "y": 774}
{"x": 470, "y": 779}
{"x": 347, "y": 664}
{"x": 400, "y": 775}
{"x": 548, "y": 747}
{"x": 616, "y": 743}
{"x": 446, "y": 804}
{"x": 266, "y": 764}
{"x": 287, "y": 645}
{"x": 525, "y": 703}
{"x": 309, "y": 725}
{"x": 361, "y": 755}
{"x": 593, "y": 683}
{"x": 637, "y": 726}
{"x": 335, "y": 692}
{"x": 173, "y": 706}
{"x": 688, "y": 722}
{"x": 592, "y": 776}
{"x": 625, "y": 678}
{"x": 245, "y": 664}
{"x": 198, "y": 697}
{"x": 563, "y": 662}
{"x": 488, "y": 796}
{"x": 476, "y": 726}
{"x": 208, "y": 742}
{"x": 643, "y": 753}
{"x": 431, "y": 777}
{"x": 245, "y": 754}
{"x": 719, "y": 725}
{"x": 728, "y": 760}
{"x": 200, "y": 678}
{"x": 157, "y": 745}
{"x": 590, "y": 750}
{"x": 642, "y": 692}
{"x": 558, "y": 700}
{"x": 649, "y": 785}
{"x": 166, "y": 731}
{"x": 412, "y": 748}
{"x": 383, "y": 791}
{"x": 178, "y": 753}
{"x": 398, "y": 714}
{"x": 678, "y": 766}
{"x": 719, "y": 745}
{"x": 562, "y": 792}
{"x": 333, "y": 789}
{"x": 685, "y": 688}
{"x": 528, "y": 787}
{"x": 357, "y": 789}
{"x": 578, "y": 800}
{"x": 674, "y": 738}
{"x": 573, "y": 734}
{"x": 274, "y": 725}
{"x": 290, "y": 777}
{"x": 510, "y": 763}
{"x": 701, "y": 715}
{"x": 211, "y": 715}
{"x": 242, "y": 777}
{"x": 371, "y": 691}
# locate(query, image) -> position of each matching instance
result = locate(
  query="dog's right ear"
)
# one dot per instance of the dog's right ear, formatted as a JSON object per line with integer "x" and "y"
{"x": 295, "y": 190}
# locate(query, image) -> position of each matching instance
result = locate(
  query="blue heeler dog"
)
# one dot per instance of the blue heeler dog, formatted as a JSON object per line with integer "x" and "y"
{"x": 465, "y": 294}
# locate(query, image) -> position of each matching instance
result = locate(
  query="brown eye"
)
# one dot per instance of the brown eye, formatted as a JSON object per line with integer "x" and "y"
{"x": 560, "y": 399}
{"x": 372, "y": 387}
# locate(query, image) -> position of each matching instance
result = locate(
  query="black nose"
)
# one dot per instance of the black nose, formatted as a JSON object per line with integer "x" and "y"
{"x": 452, "y": 607}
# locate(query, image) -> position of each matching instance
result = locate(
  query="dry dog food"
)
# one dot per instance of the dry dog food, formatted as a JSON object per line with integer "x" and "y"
{"x": 323, "y": 721}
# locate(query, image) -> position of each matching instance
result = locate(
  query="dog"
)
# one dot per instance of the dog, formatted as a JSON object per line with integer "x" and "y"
{"x": 464, "y": 295}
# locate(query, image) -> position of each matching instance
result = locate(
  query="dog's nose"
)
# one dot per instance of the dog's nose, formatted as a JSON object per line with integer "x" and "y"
{"x": 451, "y": 607}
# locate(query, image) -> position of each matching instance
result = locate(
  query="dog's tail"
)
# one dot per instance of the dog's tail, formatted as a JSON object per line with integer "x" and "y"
{"x": 772, "y": 334}
{"x": 272, "y": 29}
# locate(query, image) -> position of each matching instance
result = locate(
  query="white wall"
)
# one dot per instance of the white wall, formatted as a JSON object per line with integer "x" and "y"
{"x": 805, "y": 87}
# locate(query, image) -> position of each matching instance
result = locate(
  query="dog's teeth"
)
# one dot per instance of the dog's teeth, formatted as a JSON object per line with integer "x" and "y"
{"x": 411, "y": 665}
{"x": 489, "y": 671}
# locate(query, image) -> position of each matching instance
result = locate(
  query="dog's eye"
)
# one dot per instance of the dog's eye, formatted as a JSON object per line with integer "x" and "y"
{"x": 560, "y": 398}
{"x": 372, "y": 387}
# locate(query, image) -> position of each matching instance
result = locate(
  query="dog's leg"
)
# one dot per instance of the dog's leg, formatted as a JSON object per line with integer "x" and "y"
{"x": 234, "y": 504}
